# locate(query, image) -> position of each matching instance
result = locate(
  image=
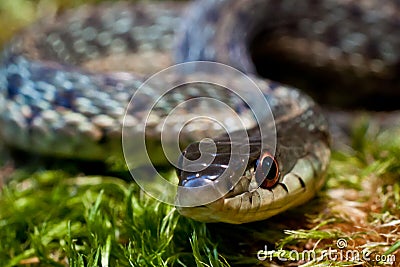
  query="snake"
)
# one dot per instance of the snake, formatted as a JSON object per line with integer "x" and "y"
{"x": 66, "y": 80}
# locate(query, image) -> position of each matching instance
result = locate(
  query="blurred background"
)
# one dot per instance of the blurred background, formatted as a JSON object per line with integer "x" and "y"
{"x": 16, "y": 14}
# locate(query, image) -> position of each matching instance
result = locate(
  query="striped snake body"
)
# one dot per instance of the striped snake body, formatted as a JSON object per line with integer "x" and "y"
{"x": 66, "y": 81}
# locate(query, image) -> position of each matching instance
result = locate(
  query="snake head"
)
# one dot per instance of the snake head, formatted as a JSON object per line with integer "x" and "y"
{"x": 269, "y": 184}
{"x": 224, "y": 176}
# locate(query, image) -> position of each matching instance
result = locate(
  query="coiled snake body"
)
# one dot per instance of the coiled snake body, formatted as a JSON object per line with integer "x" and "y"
{"x": 59, "y": 97}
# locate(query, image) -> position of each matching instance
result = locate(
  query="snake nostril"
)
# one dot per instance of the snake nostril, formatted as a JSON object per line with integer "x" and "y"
{"x": 267, "y": 171}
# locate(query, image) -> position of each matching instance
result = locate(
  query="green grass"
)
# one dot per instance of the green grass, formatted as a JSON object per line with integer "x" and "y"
{"x": 57, "y": 218}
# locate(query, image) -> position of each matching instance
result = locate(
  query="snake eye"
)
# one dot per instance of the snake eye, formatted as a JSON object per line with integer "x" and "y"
{"x": 267, "y": 171}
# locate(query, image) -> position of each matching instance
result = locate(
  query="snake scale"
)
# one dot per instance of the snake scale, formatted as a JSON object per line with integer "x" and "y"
{"x": 65, "y": 83}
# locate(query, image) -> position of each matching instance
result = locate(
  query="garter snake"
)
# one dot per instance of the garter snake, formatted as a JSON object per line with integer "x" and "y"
{"x": 65, "y": 83}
